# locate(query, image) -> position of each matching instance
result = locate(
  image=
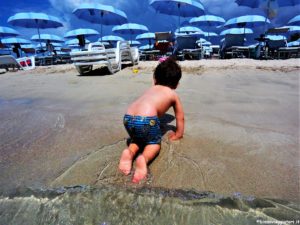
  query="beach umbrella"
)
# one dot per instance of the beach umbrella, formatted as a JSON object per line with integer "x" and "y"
{"x": 15, "y": 40}
{"x": 237, "y": 31}
{"x": 294, "y": 29}
{"x": 247, "y": 21}
{"x": 43, "y": 45}
{"x": 207, "y": 21}
{"x": 81, "y": 31}
{"x": 112, "y": 38}
{"x": 260, "y": 3}
{"x": 28, "y": 46}
{"x": 295, "y": 20}
{"x": 75, "y": 41}
{"x": 46, "y": 37}
{"x": 294, "y": 43}
{"x": 210, "y": 34}
{"x": 180, "y": 8}
{"x": 146, "y": 36}
{"x": 81, "y": 34}
{"x": 8, "y": 32}
{"x": 188, "y": 29}
{"x": 134, "y": 43}
{"x": 276, "y": 37}
{"x": 100, "y": 14}
{"x": 268, "y": 5}
{"x": 146, "y": 47}
{"x": 34, "y": 20}
{"x": 105, "y": 43}
{"x": 130, "y": 28}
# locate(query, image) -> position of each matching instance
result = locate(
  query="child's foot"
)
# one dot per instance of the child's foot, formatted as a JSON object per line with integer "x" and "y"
{"x": 141, "y": 169}
{"x": 125, "y": 162}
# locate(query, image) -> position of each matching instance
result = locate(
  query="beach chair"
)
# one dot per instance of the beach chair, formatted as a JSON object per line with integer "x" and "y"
{"x": 163, "y": 43}
{"x": 274, "y": 46}
{"x": 187, "y": 48}
{"x": 231, "y": 44}
{"x": 97, "y": 55}
{"x": 288, "y": 52}
{"x": 24, "y": 63}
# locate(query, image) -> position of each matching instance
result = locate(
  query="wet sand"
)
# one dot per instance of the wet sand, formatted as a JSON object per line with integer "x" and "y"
{"x": 242, "y": 128}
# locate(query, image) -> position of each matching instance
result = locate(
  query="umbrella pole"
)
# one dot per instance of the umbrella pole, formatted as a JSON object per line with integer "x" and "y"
{"x": 39, "y": 36}
{"x": 268, "y": 12}
{"x": 178, "y": 5}
{"x": 102, "y": 13}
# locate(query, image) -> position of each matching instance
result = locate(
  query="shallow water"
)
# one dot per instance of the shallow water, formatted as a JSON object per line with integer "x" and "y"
{"x": 107, "y": 205}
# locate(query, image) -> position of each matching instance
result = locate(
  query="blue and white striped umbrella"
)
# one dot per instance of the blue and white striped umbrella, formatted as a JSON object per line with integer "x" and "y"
{"x": 146, "y": 36}
{"x": 14, "y": 40}
{"x": 81, "y": 31}
{"x": 8, "y": 32}
{"x": 101, "y": 14}
{"x": 146, "y": 47}
{"x": 247, "y": 21}
{"x": 45, "y": 37}
{"x": 112, "y": 38}
{"x": 180, "y": 8}
{"x": 207, "y": 20}
{"x": 130, "y": 28}
{"x": 295, "y": 20}
{"x": 237, "y": 31}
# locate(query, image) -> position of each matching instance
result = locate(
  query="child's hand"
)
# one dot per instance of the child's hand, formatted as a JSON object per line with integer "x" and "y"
{"x": 172, "y": 136}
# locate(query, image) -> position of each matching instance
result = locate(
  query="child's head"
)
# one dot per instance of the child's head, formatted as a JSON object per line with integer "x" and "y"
{"x": 167, "y": 73}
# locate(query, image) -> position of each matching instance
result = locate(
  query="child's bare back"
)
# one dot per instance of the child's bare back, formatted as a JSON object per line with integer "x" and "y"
{"x": 154, "y": 102}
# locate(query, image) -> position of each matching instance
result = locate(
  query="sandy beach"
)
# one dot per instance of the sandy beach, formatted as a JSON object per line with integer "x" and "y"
{"x": 242, "y": 128}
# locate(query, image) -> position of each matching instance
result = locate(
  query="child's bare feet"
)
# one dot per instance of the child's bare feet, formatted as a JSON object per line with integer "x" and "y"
{"x": 126, "y": 161}
{"x": 141, "y": 169}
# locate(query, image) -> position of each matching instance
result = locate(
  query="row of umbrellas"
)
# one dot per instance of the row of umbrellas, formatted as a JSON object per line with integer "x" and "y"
{"x": 108, "y": 15}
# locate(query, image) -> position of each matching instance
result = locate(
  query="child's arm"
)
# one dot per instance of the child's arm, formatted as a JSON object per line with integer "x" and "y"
{"x": 179, "y": 115}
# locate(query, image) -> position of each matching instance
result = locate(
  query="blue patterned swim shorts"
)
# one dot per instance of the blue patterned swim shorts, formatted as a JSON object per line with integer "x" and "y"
{"x": 143, "y": 130}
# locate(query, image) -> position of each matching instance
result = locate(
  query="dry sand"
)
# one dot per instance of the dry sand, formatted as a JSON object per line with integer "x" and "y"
{"x": 242, "y": 127}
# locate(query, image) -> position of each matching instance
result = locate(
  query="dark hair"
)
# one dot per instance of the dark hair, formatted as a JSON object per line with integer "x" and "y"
{"x": 167, "y": 73}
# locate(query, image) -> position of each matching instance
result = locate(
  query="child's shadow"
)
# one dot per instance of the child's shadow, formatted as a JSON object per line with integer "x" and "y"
{"x": 164, "y": 123}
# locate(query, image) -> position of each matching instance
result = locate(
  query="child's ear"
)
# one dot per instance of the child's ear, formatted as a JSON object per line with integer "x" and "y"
{"x": 154, "y": 81}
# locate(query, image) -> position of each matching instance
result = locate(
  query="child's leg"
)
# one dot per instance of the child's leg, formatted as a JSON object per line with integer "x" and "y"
{"x": 126, "y": 158}
{"x": 149, "y": 153}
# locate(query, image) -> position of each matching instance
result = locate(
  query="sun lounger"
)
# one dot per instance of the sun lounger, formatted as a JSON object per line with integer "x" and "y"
{"x": 97, "y": 55}
{"x": 24, "y": 63}
{"x": 186, "y": 47}
{"x": 163, "y": 42}
{"x": 274, "y": 46}
{"x": 231, "y": 43}
{"x": 288, "y": 52}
